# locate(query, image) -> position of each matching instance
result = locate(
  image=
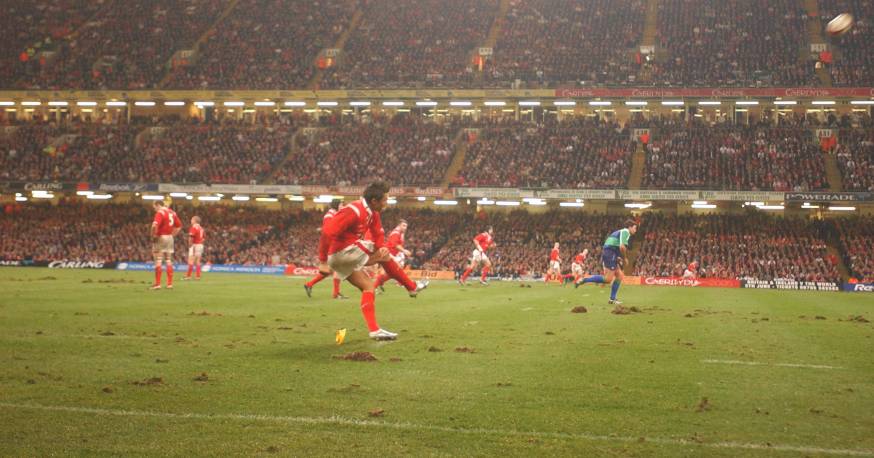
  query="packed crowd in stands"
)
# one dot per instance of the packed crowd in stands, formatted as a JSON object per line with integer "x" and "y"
{"x": 855, "y": 155}
{"x": 753, "y": 245}
{"x": 732, "y": 43}
{"x": 403, "y": 150}
{"x": 734, "y": 157}
{"x": 567, "y": 41}
{"x": 426, "y": 43}
{"x": 274, "y": 45}
{"x": 736, "y": 246}
{"x": 126, "y": 45}
{"x": 226, "y": 152}
{"x": 856, "y": 238}
{"x": 579, "y": 153}
{"x": 854, "y": 62}
{"x": 30, "y": 28}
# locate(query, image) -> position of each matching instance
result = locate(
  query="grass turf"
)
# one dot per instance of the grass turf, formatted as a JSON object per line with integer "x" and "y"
{"x": 476, "y": 371}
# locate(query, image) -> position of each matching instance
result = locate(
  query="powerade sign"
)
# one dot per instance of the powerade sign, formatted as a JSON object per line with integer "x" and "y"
{"x": 223, "y": 268}
{"x": 859, "y": 287}
{"x": 790, "y": 284}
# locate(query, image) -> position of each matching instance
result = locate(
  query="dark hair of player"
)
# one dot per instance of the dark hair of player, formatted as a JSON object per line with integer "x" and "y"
{"x": 374, "y": 192}
{"x": 402, "y": 221}
{"x": 630, "y": 222}
{"x": 335, "y": 204}
{"x": 158, "y": 203}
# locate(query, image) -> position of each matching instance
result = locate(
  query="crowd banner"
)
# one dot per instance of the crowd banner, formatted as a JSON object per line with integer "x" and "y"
{"x": 231, "y": 188}
{"x": 221, "y": 268}
{"x": 691, "y": 282}
{"x": 355, "y": 191}
{"x": 858, "y": 287}
{"x": 829, "y": 196}
{"x": 790, "y": 284}
{"x": 717, "y": 92}
{"x": 619, "y": 194}
{"x": 118, "y": 187}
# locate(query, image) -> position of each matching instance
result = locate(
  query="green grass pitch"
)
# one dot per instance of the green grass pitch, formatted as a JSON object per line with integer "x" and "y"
{"x": 95, "y": 364}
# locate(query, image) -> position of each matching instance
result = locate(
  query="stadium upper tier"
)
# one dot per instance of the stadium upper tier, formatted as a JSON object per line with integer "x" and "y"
{"x": 357, "y": 44}
{"x": 414, "y": 150}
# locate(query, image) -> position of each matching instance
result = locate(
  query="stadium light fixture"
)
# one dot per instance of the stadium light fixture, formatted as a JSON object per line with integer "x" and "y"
{"x": 174, "y": 103}
{"x": 327, "y": 103}
{"x": 529, "y": 103}
{"x": 144, "y": 103}
{"x": 296, "y": 198}
{"x": 152, "y": 197}
{"x": 861, "y": 102}
{"x": 823, "y": 102}
{"x": 753, "y": 204}
{"x": 393, "y": 103}
{"x": 445, "y": 202}
{"x": 359, "y": 103}
{"x": 703, "y": 205}
{"x": 234, "y": 103}
{"x": 785, "y": 102}
{"x": 58, "y": 103}
{"x": 508, "y": 203}
{"x": 426, "y": 103}
{"x": 240, "y": 198}
{"x": 770, "y": 207}
{"x": 392, "y": 201}
{"x": 84, "y": 193}
{"x": 699, "y": 202}
{"x": 709, "y": 102}
{"x": 266, "y": 199}
{"x": 600, "y": 103}
{"x": 99, "y": 196}
{"x": 204, "y": 104}
{"x": 5, "y": 103}
{"x": 494, "y": 103}
{"x": 460, "y": 103}
{"x": 537, "y": 203}
{"x": 295, "y": 103}
{"x": 571, "y": 204}
{"x": 639, "y": 206}
{"x": 672, "y": 103}
{"x": 421, "y": 198}
{"x": 265, "y": 103}
{"x": 809, "y": 206}
{"x": 209, "y": 198}
{"x": 42, "y": 195}
{"x": 841, "y": 209}
{"x": 485, "y": 201}
{"x": 116, "y": 103}
{"x": 179, "y": 194}
{"x": 636, "y": 103}
{"x": 31, "y": 104}
{"x": 746, "y": 102}
{"x": 20, "y": 199}
{"x": 564, "y": 103}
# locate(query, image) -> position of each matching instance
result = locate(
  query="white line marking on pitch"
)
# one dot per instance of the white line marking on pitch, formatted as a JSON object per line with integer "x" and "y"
{"x": 417, "y": 427}
{"x": 753, "y": 363}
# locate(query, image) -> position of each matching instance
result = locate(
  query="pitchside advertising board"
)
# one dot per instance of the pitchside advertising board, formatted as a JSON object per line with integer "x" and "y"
{"x": 790, "y": 284}
{"x": 222, "y": 268}
{"x": 858, "y": 287}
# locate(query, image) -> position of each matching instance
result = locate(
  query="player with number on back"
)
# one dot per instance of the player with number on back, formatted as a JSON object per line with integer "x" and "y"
{"x": 195, "y": 247}
{"x": 482, "y": 242}
{"x": 614, "y": 252}
{"x": 165, "y": 226}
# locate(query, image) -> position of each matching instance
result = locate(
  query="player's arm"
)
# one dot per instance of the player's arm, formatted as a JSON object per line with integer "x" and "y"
{"x": 478, "y": 246}
{"x": 177, "y": 227}
{"x": 159, "y": 217}
{"x": 191, "y": 238}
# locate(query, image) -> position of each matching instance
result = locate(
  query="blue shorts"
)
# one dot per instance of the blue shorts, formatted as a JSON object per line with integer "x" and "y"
{"x": 610, "y": 257}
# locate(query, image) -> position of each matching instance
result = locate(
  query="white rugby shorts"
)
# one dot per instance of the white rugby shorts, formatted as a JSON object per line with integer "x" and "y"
{"x": 577, "y": 269}
{"x": 400, "y": 258}
{"x": 350, "y": 259}
{"x": 164, "y": 245}
{"x": 479, "y": 257}
{"x": 555, "y": 266}
{"x": 195, "y": 250}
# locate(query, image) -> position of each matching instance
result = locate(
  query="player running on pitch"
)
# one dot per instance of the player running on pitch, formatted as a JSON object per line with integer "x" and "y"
{"x": 613, "y": 255}
{"x": 482, "y": 242}
{"x": 395, "y": 245}
{"x": 347, "y": 253}
{"x": 165, "y": 226}
{"x": 553, "y": 270}
{"x": 195, "y": 247}
{"x": 578, "y": 267}
{"x": 308, "y": 287}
